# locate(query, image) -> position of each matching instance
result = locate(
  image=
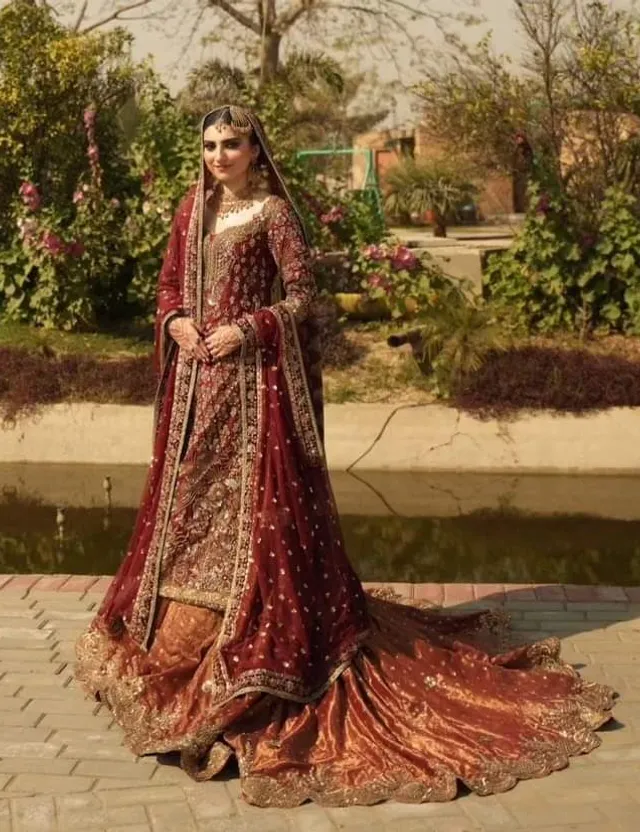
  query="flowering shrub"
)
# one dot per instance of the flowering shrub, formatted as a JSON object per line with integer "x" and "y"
{"x": 410, "y": 283}
{"x": 562, "y": 274}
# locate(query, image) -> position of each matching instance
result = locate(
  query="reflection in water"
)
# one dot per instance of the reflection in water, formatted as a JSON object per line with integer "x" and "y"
{"x": 485, "y": 546}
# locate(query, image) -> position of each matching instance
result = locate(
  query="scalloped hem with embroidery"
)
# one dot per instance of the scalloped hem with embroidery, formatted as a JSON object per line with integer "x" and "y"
{"x": 432, "y": 700}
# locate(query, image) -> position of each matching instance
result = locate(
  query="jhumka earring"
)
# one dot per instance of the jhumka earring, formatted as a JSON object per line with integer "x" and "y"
{"x": 257, "y": 179}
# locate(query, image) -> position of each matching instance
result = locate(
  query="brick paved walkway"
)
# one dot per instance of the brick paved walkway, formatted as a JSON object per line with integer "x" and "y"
{"x": 63, "y": 768}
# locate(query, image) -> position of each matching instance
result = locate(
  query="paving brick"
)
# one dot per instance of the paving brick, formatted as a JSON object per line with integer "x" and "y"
{"x": 168, "y": 817}
{"x": 110, "y": 784}
{"x": 72, "y": 704}
{"x": 550, "y": 593}
{"x": 79, "y": 583}
{"x": 429, "y": 592}
{"x": 554, "y": 615}
{"x": 16, "y": 719}
{"x": 519, "y": 592}
{"x": 28, "y": 749}
{"x": 80, "y": 811}
{"x": 5, "y": 816}
{"x": 49, "y": 583}
{"x": 208, "y": 800}
{"x": 22, "y": 734}
{"x": 44, "y": 657}
{"x": 137, "y": 827}
{"x": 17, "y": 765}
{"x": 28, "y": 646}
{"x": 10, "y": 704}
{"x": 78, "y": 721}
{"x": 534, "y": 605}
{"x": 14, "y": 614}
{"x": 50, "y": 784}
{"x": 26, "y": 633}
{"x": 145, "y": 795}
{"x": 457, "y": 593}
{"x": 52, "y": 601}
{"x": 107, "y": 768}
{"x": 34, "y": 814}
{"x": 126, "y": 815}
{"x": 92, "y": 751}
{"x": 59, "y": 680}
{"x": 21, "y": 583}
{"x": 417, "y": 825}
{"x": 267, "y": 820}
{"x": 35, "y": 668}
{"x": 311, "y": 818}
{"x": 45, "y": 692}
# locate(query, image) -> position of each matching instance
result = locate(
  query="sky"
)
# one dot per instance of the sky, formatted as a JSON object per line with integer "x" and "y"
{"x": 175, "y": 47}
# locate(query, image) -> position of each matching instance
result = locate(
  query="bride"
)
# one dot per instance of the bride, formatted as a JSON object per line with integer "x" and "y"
{"x": 236, "y": 626}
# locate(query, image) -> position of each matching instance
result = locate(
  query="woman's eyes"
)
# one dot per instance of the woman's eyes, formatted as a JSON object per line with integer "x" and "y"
{"x": 230, "y": 145}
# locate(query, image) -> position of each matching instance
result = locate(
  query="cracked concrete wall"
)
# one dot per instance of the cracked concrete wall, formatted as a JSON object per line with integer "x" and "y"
{"x": 361, "y": 438}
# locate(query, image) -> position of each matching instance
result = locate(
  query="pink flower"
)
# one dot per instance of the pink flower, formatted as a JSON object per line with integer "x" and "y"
{"x": 404, "y": 258}
{"x": 53, "y": 244}
{"x": 78, "y": 196}
{"x": 379, "y": 281}
{"x": 375, "y": 253}
{"x": 30, "y": 196}
{"x": 89, "y": 119}
{"x": 115, "y": 203}
{"x": 76, "y": 249}
{"x": 93, "y": 153}
{"x": 335, "y": 215}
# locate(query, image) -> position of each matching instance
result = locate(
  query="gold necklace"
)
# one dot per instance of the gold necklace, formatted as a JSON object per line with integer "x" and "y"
{"x": 235, "y": 203}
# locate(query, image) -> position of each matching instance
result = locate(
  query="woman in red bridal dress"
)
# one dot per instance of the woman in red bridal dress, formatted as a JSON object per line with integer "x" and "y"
{"x": 236, "y": 626}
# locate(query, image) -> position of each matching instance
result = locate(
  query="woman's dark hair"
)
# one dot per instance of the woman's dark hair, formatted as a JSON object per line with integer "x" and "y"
{"x": 227, "y": 116}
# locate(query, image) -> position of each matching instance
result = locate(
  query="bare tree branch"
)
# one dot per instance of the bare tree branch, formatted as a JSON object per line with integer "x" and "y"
{"x": 115, "y": 15}
{"x": 83, "y": 10}
{"x": 239, "y": 16}
{"x": 291, "y": 16}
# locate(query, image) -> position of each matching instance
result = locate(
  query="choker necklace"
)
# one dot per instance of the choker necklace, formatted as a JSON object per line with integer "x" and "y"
{"x": 235, "y": 203}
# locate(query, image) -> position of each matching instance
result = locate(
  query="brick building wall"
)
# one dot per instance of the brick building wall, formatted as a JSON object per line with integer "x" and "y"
{"x": 495, "y": 192}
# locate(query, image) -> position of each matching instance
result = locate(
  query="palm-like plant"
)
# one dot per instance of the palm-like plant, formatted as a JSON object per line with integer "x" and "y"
{"x": 457, "y": 334}
{"x": 317, "y": 92}
{"x": 417, "y": 187}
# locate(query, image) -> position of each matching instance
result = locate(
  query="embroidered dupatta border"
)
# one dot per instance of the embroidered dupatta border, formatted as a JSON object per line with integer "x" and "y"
{"x": 141, "y": 623}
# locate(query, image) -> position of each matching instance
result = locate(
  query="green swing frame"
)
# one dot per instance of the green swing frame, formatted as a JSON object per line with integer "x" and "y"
{"x": 371, "y": 185}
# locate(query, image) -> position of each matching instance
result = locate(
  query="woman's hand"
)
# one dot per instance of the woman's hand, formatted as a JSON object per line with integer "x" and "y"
{"x": 187, "y": 335}
{"x": 223, "y": 341}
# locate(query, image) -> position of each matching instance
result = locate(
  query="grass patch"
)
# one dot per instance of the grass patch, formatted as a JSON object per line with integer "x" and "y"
{"x": 361, "y": 367}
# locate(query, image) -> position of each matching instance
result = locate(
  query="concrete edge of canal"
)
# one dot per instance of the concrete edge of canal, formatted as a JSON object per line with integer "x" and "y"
{"x": 361, "y": 438}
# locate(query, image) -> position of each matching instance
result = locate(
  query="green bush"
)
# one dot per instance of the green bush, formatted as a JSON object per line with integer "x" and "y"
{"x": 561, "y": 275}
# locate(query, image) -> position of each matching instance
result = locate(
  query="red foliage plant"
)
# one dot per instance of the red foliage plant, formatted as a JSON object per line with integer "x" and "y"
{"x": 29, "y": 380}
{"x": 540, "y": 378}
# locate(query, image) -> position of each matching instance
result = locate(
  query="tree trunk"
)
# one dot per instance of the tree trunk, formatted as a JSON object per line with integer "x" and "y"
{"x": 269, "y": 56}
{"x": 439, "y": 227}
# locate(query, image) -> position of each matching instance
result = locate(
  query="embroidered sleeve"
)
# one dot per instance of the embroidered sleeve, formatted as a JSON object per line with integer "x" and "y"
{"x": 291, "y": 254}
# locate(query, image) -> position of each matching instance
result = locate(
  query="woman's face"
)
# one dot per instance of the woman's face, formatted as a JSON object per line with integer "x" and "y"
{"x": 228, "y": 154}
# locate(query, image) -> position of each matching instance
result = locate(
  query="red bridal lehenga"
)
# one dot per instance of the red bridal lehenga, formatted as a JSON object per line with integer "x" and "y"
{"x": 236, "y": 626}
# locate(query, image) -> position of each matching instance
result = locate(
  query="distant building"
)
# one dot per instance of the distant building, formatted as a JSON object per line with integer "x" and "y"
{"x": 498, "y": 194}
